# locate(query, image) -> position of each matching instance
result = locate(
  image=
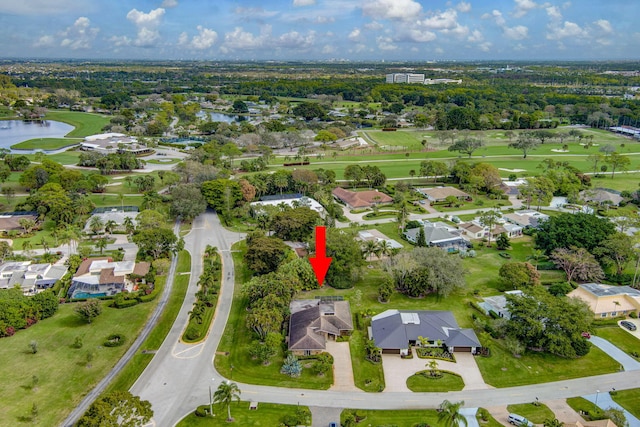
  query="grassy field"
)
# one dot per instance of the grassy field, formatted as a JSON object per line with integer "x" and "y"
{"x": 629, "y": 399}
{"x": 504, "y": 370}
{"x": 236, "y": 342}
{"x": 141, "y": 359}
{"x": 620, "y": 338}
{"x": 267, "y": 415}
{"x": 420, "y": 381}
{"x": 63, "y": 373}
{"x": 45, "y": 143}
{"x": 85, "y": 123}
{"x": 396, "y": 418}
{"x": 534, "y": 413}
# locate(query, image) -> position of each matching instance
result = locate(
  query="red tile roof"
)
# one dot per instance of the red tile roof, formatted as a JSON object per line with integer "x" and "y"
{"x": 361, "y": 199}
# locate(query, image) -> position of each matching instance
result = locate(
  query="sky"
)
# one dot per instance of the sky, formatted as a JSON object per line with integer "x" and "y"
{"x": 355, "y": 30}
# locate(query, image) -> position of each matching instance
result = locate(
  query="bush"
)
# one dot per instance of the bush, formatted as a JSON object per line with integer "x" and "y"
{"x": 633, "y": 315}
{"x": 192, "y": 333}
{"x": 77, "y": 343}
{"x": 114, "y": 340}
{"x": 202, "y": 411}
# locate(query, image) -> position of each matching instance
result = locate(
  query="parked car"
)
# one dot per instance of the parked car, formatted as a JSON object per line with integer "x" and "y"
{"x": 586, "y": 335}
{"x": 333, "y": 424}
{"x": 628, "y": 325}
{"x": 519, "y": 421}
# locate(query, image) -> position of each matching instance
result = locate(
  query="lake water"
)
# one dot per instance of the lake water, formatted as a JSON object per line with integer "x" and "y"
{"x": 15, "y": 131}
{"x": 219, "y": 117}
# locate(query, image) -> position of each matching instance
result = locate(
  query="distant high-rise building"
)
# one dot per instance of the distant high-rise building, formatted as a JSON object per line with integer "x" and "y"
{"x": 405, "y": 78}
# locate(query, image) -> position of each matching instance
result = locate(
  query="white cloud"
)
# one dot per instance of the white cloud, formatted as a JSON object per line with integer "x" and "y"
{"x": 385, "y": 43}
{"x": 554, "y": 12}
{"x": 238, "y": 39}
{"x": 604, "y": 26}
{"x": 374, "y": 26}
{"x": 169, "y": 3}
{"x": 204, "y": 39}
{"x": 496, "y": 15}
{"x": 485, "y": 47}
{"x": 79, "y": 35}
{"x": 392, "y": 9}
{"x": 476, "y": 37}
{"x": 324, "y": 20}
{"x": 568, "y": 29}
{"x": 523, "y": 7}
{"x": 119, "y": 41}
{"x": 518, "y": 32}
{"x": 327, "y": 49}
{"x": 147, "y": 25}
{"x": 420, "y": 36}
{"x": 440, "y": 21}
{"x": 183, "y": 39}
{"x": 254, "y": 12}
{"x": 459, "y": 31}
{"x": 463, "y": 7}
{"x": 354, "y": 34}
{"x": 304, "y": 2}
{"x": 296, "y": 40}
{"x": 45, "y": 41}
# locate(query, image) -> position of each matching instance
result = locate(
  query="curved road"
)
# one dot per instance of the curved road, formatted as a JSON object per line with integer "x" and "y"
{"x": 178, "y": 378}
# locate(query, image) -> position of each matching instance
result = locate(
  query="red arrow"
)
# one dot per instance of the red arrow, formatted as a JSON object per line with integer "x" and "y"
{"x": 320, "y": 263}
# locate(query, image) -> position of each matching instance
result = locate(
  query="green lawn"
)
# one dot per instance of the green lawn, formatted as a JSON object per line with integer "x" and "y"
{"x": 267, "y": 415}
{"x": 85, "y": 123}
{"x": 396, "y": 418}
{"x": 64, "y": 376}
{"x": 504, "y": 370}
{"x": 45, "y": 143}
{"x": 629, "y": 399}
{"x": 490, "y": 421}
{"x": 368, "y": 376}
{"x": 420, "y": 381}
{"x": 66, "y": 158}
{"x": 583, "y": 406}
{"x": 142, "y": 358}
{"x": 534, "y": 413}
{"x": 620, "y": 338}
{"x": 236, "y": 342}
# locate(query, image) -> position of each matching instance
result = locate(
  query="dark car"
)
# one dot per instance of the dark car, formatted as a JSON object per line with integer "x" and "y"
{"x": 626, "y": 324}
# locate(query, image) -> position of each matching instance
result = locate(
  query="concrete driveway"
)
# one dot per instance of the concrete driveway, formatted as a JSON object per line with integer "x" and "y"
{"x": 397, "y": 370}
{"x": 627, "y": 362}
{"x": 605, "y": 402}
{"x": 342, "y": 367}
{"x": 635, "y": 333}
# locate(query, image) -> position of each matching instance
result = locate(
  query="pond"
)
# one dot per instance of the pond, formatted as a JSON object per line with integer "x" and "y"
{"x": 15, "y": 131}
{"x": 220, "y": 117}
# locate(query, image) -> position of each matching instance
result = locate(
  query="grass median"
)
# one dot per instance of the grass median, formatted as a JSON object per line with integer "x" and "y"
{"x": 46, "y": 143}
{"x": 423, "y": 382}
{"x": 267, "y": 415}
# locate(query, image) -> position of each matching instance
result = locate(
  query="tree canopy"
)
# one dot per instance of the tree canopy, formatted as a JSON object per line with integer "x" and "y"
{"x": 117, "y": 409}
{"x": 566, "y": 230}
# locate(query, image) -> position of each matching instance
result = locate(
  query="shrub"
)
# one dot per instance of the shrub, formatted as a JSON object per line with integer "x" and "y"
{"x": 192, "y": 333}
{"x": 633, "y": 315}
{"x": 202, "y": 411}
{"x": 77, "y": 343}
{"x": 114, "y": 340}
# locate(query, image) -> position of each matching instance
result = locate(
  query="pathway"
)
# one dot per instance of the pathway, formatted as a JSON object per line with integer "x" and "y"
{"x": 470, "y": 415}
{"x": 627, "y": 362}
{"x": 563, "y": 411}
{"x": 342, "y": 367}
{"x": 604, "y": 401}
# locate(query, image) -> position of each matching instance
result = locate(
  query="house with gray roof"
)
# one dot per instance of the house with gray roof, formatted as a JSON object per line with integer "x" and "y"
{"x": 30, "y": 277}
{"x": 602, "y": 196}
{"x": 314, "y": 321}
{"x": 395, "y": 331}
{"x": 498, "y": 304}
{"x": 444, "y": 237}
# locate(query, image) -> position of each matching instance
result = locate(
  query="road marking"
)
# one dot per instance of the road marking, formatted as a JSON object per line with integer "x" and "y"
{"x": 198, "y": 347}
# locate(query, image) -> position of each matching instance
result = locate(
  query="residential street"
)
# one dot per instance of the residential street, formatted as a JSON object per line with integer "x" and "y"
{"x": 179, "y": 377}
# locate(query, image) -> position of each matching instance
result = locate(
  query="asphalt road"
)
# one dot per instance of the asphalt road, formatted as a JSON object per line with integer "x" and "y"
{"x": 148, "y": 327}
{"x": 180, "y": 375}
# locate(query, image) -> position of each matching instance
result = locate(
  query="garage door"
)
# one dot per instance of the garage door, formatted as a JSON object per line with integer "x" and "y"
{"x": 462, "y": 349}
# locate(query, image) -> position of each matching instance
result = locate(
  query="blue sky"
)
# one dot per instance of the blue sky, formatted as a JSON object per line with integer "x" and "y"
{"x": 411, "y": 30}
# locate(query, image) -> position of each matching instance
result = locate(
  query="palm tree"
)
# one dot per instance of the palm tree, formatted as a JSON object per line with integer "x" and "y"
{"x": 226, "y": 393}
{"x": 128, "y": 224}
{"x": 101, "y": 244}
{"x": 433, "y": 368}
{"x": 369, "y": 248}
{"x": 110, "y": 226}
{"x": 384, "y": 247}
{"x": 450, "y": 415}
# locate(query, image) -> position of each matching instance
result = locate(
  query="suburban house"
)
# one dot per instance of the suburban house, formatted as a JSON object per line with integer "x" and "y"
{"x": 291, "y": 200}
{"x": 607, "y": 300}
{"x": 30, "y": 277}
{"x": 376, "y": 236}
{"x": 116, "y": 214}
{"x": 440, "y": 235}
{"x": 315, "y": 321}
{"x": 106, "y": 143}
{"x": 361, "y": 199}
{"x": 602, "y": 196}
{"x": 511, "y": 188}
{"x": 511, "y": 230}
{"x": 395, "y": 331}
{"x": 472, "y": 230}
{"x": 11, "y": 220}
{"x": 98, "y": 277}
{"x": 350, "y": 142}
{"x": 498, "y": 304}
{"x": 440, "y": 194}
{"x": 527, "y": 218}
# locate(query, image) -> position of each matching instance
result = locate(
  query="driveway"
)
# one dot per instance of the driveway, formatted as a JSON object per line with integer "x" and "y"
{"x": 563, "y": 411}
{"x": 627, "y": 362}
{"x": 605, "y": 402}
{"x": 342, "y": 367}
{"x": 635, "y": 333}
{"x": 397, "y": 370}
